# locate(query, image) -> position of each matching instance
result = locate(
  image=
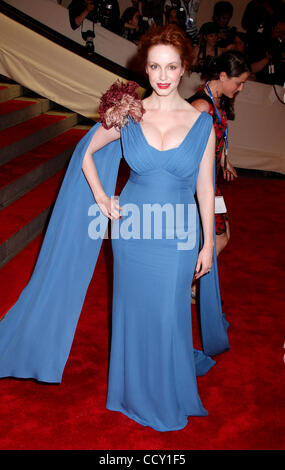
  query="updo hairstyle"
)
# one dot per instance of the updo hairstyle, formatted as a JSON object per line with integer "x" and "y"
{"x": 169, "y": 35}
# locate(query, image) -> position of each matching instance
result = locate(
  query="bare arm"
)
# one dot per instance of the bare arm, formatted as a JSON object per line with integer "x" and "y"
{"x": 260, "y": 64}
{"x": 88, "y": 7}
{"x": 206, "y": 199}
{"x": 201, "y": 105}
{"x": 78, "y": 20}
{"x": 101, "y": 138}
{"x": 77, "y": 15}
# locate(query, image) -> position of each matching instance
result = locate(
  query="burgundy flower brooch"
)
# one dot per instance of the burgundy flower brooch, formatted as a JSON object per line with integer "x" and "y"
{"x": 120, "y": 102}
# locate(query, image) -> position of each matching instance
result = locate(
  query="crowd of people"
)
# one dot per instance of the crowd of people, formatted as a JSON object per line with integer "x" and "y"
{"x": 262, "y": 41}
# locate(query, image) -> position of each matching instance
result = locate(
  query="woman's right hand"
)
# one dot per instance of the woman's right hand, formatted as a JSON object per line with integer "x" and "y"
{"x": 204, "y": 261}
{"x": 109, "y": 207}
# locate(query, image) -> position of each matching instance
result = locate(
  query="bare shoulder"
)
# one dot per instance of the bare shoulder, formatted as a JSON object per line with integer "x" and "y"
{"x": 109, "y": 134}
{"x": 201, "y": 105}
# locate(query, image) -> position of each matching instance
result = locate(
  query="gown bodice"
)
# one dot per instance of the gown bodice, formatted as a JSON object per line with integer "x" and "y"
{"x": 174, "y": 168}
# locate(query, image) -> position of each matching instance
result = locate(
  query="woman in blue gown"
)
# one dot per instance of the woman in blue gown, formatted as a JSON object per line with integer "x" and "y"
{"x": 159, "y": 240}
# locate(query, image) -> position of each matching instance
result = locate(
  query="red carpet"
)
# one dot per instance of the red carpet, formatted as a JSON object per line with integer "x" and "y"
{"x": 14, "y": 105}
{"x": 20, "y": 212}
{"x": 27, "y": 128}
{"x": 28, "y": 161}
{"x": 242, "y": 392}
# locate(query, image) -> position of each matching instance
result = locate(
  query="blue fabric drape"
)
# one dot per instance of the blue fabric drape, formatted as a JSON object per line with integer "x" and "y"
{"x": 36, "y": 334}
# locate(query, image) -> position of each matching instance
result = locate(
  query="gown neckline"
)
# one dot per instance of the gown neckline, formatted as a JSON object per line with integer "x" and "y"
{"x": 181, "y": 143}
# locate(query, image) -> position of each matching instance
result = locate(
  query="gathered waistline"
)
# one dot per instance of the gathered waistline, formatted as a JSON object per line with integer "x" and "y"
{"x": 161, "y": 178}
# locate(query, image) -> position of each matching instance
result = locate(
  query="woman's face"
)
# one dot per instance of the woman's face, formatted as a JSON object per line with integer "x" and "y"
{"x": 233, "y": 85}
{"x": 224, "y": 20}
{"x": 164, "y": 69}
{"x": 239, "y": 44}
{"x": 135, "y": 19}
{"x": 212, "y": 39}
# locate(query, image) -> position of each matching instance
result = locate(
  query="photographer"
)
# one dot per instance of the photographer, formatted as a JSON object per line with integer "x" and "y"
{"x": 79, "y": 10}
{"x": 105, "y": 12}
{"x": 268, "y": 64}
{"x": 186, "y": 15}
{"x": 130, "y": 27}
{"x": 208, "y": 48}
{"x": 151, "y": 13}
{"x": 278, "y": 51}
{"x": 222, "y": 14}
{"x": 265, "y": 23}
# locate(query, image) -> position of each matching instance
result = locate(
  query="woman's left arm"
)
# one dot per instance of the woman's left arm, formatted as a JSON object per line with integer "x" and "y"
{"x": 206, "y": 200}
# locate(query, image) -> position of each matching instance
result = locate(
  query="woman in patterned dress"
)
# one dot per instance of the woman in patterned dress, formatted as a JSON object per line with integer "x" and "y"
{"x": 225, "y": 79}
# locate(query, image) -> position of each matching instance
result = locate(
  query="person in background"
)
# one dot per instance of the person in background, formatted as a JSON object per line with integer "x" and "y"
{"x": 151, "y": 13}
{"x": 170, "y": 5}
{"x": 105, "y": 12}
{"x": 225, "y": 78}
{"x": 268, "y": 59}
{"x": 208, "y": 49}
{"x": 187, "y": 11}
{"x": 237, "y": 41}
{"x": 79, "y": 10}
{"x": 262, "y": 20}
{"x": 109, "y": 14}
{"x": 240, "y": 42}
{"x": 258, "y": 17}
{"x": 222, "y": 14}
{"x": 278, "y": 51}
{"x": 130, "y": 24}
{"x": 171, "y": 16}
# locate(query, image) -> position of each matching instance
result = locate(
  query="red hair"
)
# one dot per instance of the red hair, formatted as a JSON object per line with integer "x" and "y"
{"x": 169, "y": 35}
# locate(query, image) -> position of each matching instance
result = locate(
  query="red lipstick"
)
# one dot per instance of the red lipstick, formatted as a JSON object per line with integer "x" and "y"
{"x": 163, "y": 86}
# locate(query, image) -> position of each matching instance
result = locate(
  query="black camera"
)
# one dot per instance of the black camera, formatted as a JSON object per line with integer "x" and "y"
{"x": 88, "y": 37}
{"x": 181, "y": 17}
{"x": 106, "y": 13}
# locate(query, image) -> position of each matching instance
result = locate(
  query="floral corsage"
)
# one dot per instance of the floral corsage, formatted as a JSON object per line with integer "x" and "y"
{"x": 120, "y": 102}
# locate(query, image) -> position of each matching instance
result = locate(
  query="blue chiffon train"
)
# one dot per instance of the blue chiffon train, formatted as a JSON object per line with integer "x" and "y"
{"x": 153, "y": 365}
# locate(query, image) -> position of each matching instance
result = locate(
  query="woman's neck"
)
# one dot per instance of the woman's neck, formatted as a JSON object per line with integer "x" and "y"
{"x": 216, "y": 89}
{"x": 164, "y": 103}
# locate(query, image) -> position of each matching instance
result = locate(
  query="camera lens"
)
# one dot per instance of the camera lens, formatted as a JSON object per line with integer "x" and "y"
{"x": 90, "y": 46}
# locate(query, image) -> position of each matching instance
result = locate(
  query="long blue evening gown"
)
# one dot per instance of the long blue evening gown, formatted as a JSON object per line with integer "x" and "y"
{"x": 153, "y": 366}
